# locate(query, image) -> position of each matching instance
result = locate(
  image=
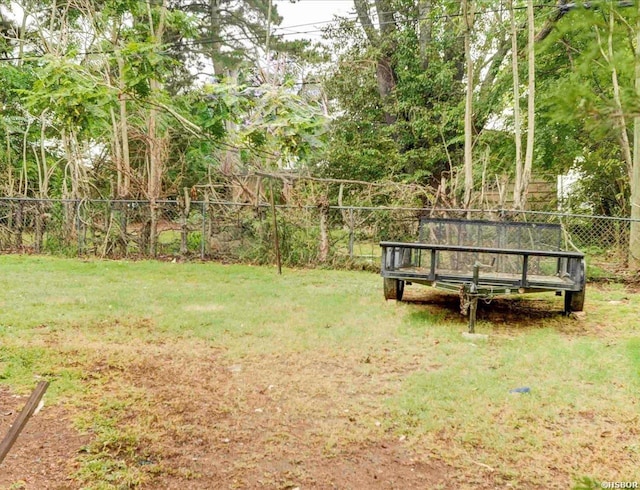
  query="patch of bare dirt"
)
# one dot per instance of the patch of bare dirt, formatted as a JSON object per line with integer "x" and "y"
{"x": 253, "y": 426}
{"x": 44, "y": 454}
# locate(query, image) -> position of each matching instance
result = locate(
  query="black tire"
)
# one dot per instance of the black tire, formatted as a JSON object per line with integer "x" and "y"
{"x": 389, "y": 286}
{"x": 573, "y": 301}
{"x": 393, "y": 288}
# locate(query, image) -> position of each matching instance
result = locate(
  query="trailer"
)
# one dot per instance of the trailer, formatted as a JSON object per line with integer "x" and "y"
{"x": 479, "y": 260}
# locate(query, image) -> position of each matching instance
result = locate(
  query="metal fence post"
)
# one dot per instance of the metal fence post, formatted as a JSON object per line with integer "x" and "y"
{"x": 351, "y": 233}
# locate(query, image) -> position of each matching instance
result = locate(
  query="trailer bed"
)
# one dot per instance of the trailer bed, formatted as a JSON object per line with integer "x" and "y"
{"x": 495, "y": 278}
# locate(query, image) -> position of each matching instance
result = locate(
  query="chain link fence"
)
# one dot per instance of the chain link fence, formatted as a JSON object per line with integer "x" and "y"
{"x": 231, "y": 231}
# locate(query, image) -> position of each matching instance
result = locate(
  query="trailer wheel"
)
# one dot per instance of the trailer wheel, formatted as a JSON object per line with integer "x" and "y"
{"x": 393, "y": 288}
{"x": 573, "y": 301}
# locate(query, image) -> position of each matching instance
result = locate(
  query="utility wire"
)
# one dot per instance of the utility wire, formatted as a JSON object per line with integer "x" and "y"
{"x": 276, "y": 31}
{"x": 395, "y": 21}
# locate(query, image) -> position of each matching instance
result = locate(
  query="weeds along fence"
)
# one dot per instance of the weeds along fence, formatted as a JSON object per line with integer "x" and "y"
{"x": 232, "y": 231}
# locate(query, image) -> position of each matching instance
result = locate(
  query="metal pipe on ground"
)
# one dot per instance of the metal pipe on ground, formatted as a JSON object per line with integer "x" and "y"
{"x": 23, "y": 418}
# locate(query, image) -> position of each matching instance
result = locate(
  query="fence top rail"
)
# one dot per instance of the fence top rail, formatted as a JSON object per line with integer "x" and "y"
{"x": 490, "y": 224}
{"x": 426, "y": 210}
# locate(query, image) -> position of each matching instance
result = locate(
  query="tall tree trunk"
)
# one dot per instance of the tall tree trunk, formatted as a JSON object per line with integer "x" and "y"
{"x": 531, "y": 106}
{"x": 424, "y": 12}
{"x": 625, "y": 144}
{"x": 116, "y": 150}
{"x": 468, "y": 14}
{"x": 323, "y": 207}
{"x": 21, "y": 34}
{"x": 10, "y": 182}
{"x": 24, "y": 173}
{"x": 364, "y": 16}
{"x": 156, "y": 142}
{"x": 387, "y": 79}
{"x": 44, "y": 176}
{"x": 154, "y": 177}
{"x": 215, "y": 33}
{"x": 125, "y": 190}
{"x": 41, "y": 160}
{"x": 517, "y": 201}
{"x": 381, "y": 39}
{"x": 120, "y": 127}
{"x": 70, "y": 175}
{"x": 634, "y": 238}
{"x": 386, "y": 84}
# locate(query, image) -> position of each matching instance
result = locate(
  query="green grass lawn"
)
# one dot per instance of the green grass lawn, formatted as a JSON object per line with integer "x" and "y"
{"x": 331, "y": 368}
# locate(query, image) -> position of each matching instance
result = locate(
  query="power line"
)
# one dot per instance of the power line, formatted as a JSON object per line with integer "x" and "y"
{"x": 382, "y": 23}
{"x": 565, "y": 8}
{"x": 213, "y": 40}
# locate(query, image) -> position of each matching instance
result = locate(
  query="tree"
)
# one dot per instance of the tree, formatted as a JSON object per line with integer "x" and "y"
{"x": 410, "y": 130}
{"x": 531, "y": 108}
{"x": 381, "y": 40}
{"x": 469, "y": 15}
{"x": 517, "y": 131}
{"x": 634, "y": 238}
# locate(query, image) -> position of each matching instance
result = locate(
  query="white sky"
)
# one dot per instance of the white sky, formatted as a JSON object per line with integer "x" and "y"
{"x": 315, "y": 13}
